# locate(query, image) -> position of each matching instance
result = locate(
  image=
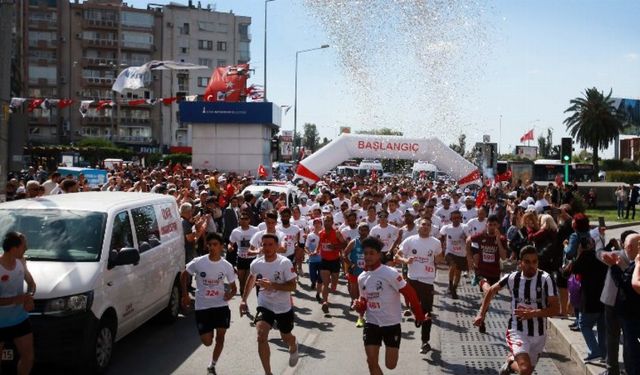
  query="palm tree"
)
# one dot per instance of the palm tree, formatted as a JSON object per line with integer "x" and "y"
{"x": 594, "y": 122}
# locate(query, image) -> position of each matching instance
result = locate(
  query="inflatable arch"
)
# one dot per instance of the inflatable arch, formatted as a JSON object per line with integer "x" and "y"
{"x": 348, "y": 146}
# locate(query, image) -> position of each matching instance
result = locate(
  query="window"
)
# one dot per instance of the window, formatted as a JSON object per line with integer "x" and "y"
{"x": 203, "y": 81}
{"x": 223, "y": 28}
{"x": 243, "y": 30}
{"x": 245, "y": 52}
{"x": 137, "y": 40}
{"x": 49, "y": 73}
{"x": 184, "y": 30}
{"x": 137, "y": 19}
{"x": 184, "y": 50}
{"x": 222, "y": 46}
{"x": 146, "y": 224}
{"x": 206, "y": 26}
{"x": 205, "y": 62}
{"x": 121, "y": 236}
{"x": 205, "y": 44}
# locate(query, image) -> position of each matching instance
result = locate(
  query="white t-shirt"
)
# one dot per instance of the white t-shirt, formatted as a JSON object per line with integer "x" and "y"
{"x": 406, "y": 233}
{"x": 456, "y": 206}
{"x": 371, "y": 223}
{"x": 349, "y": 234}
{"x": 262, "y": 226}
{"x": 381, "y": 289}
{"x": 210, "y": 279}
{"x": 387, "y": 235}
{"x": 242, "y": 238}
{"x": 395, "y": 218}
{"x": 256, "y": 240}
{"x": 455, "y": 239}
{"x": 304, "y": 210}
{"x": 475, "y": 226}
{"x": 468, "y": 214}
{"x": 279, "y": 271}
{"x": 338, "y": 218}
{"x": 444, "y": 214}
{"x": 423, "y": 252}
{"x": 362, "y": 214}
{"x": 291, "y": 238}
{"x": 337, "y": 202}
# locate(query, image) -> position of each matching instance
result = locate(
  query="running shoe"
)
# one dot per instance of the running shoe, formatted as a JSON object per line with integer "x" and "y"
{"x": 407, "y": 312}
{"x": 325, "y": 308}
{"x": 475, "y": 280}
{"x": 318, "y": 298}
{"x": 454, "y": 294}
{"x": 425, "y": 348}
{"x": 293, "y": 358}
{"x": 483, "y": 328}
{"x": 211, "y": 370}
{"x": 360, "y": 323}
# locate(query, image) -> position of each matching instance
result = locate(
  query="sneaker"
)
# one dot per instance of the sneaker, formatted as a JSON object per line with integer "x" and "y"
{"x": 505, "y": 369}
{"x": 293, "y": 357}
{"x": 454, "y": 294}
{"x": 407, "y": 312}
{"x": 325, "y": 308}
{"x": 211, "y": 370}
{"x": 425, "y": 348}
{"x": 318, "y": 298}
{"x": 360, "y": 323}
{"x": 482, "y": 328}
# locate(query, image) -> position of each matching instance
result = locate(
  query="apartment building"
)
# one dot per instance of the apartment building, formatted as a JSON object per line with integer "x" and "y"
{"x": 200, "y": 36}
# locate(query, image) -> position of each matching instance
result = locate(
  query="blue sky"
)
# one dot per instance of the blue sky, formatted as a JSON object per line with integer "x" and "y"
{"x": 540, "y": 54}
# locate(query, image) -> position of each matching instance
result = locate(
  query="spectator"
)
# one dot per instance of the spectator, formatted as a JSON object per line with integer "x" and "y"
{"x": 621, "y": 200}
{"x": 633, "y": 199}
{"x": 544, "y": 241}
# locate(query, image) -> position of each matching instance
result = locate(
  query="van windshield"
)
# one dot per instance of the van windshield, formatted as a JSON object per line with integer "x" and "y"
{"x": 57, "y": 235}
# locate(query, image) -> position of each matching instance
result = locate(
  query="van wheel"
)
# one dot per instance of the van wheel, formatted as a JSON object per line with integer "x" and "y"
{"x": 98, "y": 355}
{"x": 170, "y": 313}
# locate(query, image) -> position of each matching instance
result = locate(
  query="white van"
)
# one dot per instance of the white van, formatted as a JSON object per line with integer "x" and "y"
{"x": 292, "y": 192}
{"x": 366, "y": 166}
{"x": 103, "y": 262}
{"x": 422, "y": 168}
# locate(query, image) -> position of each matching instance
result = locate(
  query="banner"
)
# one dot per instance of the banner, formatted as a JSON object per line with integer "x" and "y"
{"x": 227, "y": 84}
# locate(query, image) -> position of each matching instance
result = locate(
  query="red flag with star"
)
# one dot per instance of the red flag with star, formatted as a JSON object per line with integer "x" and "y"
{"x": 228, "y": 84}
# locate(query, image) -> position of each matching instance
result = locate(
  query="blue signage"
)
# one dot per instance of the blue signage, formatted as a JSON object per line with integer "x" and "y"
{"x": 230, "y": 113}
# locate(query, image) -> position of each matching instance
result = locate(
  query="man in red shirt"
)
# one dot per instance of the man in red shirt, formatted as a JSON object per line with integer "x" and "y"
{"x": 489, "y": 248}
{"x": 331, "y": 244}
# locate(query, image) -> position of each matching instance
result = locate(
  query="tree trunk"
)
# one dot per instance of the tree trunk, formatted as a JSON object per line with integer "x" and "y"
{"x": 594, "y": 160}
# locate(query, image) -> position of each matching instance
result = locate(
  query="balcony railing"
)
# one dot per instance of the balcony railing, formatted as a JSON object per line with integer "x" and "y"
{"x": 98, "y": 81}
{"x": 138, "y": 45}
{"x": 99, "y": 61}
{"x": 109, "y": 24}
{"x": 101, "y": 42}
{"x": 133, "y": 139}
{"x": 43, "y": 44}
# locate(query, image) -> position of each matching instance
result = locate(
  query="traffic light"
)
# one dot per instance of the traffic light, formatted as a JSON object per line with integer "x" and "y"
{"x": 566, "y": 149}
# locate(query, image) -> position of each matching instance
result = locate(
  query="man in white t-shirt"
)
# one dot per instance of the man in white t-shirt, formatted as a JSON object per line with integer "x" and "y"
{"x": 469, "y": 210}
{"x": 380, "y": 288}
{"x": 477, "y": 225}
{"x": 275, "y": 277}
{"x": 271, "y": 221}
{"x": 444, "y": 212}
{"x": 240, "y": 238}
{"x": 388, "y": 234}
{"x": 291, "y": 234}
{"x": 453, "y": 239}
{"x": 419, "y": 253}
{"x": 395, "y": 215}
{"x": 212, "y": 293}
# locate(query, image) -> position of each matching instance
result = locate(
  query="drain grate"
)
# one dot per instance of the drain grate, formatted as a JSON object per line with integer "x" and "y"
{"x": 492, "y": 325}
{"x": 472, "y": 336}
{"x": 474, "y": 350}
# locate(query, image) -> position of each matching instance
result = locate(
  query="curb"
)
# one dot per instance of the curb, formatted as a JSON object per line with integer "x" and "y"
{"x": 574, "y": 346}
{"x": 618, "y": 225}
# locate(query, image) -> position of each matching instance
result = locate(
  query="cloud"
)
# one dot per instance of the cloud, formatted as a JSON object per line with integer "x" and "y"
{"x": 632, "y": 56}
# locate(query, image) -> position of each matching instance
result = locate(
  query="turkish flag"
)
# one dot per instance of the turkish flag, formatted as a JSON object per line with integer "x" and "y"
{"x": 167, "y": 101}
{"x": 481, "y": 198}
{"x": 528, "y": 136}
{"x": 228, "y": 84}
{"x": 506, "y": 176}
{"x": 63, "y": 103}
{"x": 137, "y": 101}
{"x": 102, "y": 104}
{"x": 35, "y": 103}
{"x": 262, "y": 172}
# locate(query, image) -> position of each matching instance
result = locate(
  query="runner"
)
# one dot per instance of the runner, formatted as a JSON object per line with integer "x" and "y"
{"x": 331, "y": 244}
{"x": 311, "y": 246}
{"x": 354, "y": 258}
{"x": 270, "y": 221}
{"x": 533, "y": 299}
{"x": 274, "y": 275}
{"x": 15, "y": 304}
{"x": 240, "y": 238}
{"x": 212, "y": 294}
{"x": 387, "y": 233}
{"x": 380, "y": 288}
{"x": 453, "y": 246}
{"x": 291, "y": 234}
{"x": 444, "y": 212}
{"x": 490, "y": 247}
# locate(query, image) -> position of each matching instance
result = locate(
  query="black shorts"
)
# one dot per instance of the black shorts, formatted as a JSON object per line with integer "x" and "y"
{"x": 232, "y": 257}
{"x": 332, "y": 266}
{"x": 292, "y": 258}
{"x": 375, "y": 335}
{"x": 244, "y": 263}
{"x": 458, "y": 261}
{"x": 561, "y": 281}
{"x": 13, "y": 332}
{"x": 284, "y": 320}
{"x": 490, "y": 280}
{"x": 208, "y": 320}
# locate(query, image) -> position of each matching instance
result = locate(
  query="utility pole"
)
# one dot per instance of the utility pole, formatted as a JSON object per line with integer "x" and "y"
{"x": 6, "y": 14}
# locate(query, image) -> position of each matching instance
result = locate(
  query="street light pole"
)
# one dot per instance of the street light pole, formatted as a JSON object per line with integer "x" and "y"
{"x": 500, "y": 140}
{"x": 295, "y": 99}
{"x": 265, "y": 49}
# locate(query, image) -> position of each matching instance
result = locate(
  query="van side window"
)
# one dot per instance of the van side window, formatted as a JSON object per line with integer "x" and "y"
{"x": 146, "y": 224}
{"x": 122, "y": 236}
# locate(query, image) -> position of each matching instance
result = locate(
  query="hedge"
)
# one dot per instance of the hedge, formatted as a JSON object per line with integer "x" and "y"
{"x": 623, "y": 176}
{"x": 184, "y": 159}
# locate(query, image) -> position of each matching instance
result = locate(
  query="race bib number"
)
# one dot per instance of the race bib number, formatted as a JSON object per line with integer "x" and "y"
{"x": 360, "y": 263}
{"x": 327, "y": 247}
{"x": 211, "y": 293}
{"x": 456, "y": 247}
{"x": 373, "y": 305}
{"x": 488, "y": 257}
{"x": 243, "y": 248}
{"x": 429, "y": 269}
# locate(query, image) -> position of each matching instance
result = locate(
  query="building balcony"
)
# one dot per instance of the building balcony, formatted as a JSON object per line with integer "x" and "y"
{"x": 138, "y": 46}
{"x": 100, "y": 120}
{"x": 133, "y": 139}
{"x": 127, "y": 121}
{"x": 42, "y": 24}
{"x": 42, "y": 82}
{"x": 104, "y": 43}
{"x": 99, "y": 23}
{"x": 102, "y": 62}
{"x": 43, "y": 44}
{"x": 42, "y": 61}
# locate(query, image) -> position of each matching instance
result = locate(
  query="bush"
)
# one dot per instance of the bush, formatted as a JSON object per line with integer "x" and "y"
{"x": 95, "y": 142}
{"x": 623, "y": 176}
{"x": 578, "y": 204}
{"x": 95, "y": 155}
{"x": 619, "y": 165}
{"x": 184, "y": 159}
{"x": 152, "y": 160}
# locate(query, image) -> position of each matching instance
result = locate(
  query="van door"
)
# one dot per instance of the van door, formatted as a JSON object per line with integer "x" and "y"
{"x": 120, "y": 283}
{"x": 153, "y": 272}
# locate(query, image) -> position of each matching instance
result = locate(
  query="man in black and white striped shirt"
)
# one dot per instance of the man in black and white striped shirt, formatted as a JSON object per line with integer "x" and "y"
{"x": 534, "y": 297}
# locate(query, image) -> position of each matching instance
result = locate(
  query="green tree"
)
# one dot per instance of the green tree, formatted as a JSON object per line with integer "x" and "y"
{"x": 461, "y": 146}
{"x": 381, "y": 131}
{"x": 545, "y": 144}
{"x": 593, "y": 122}
{"x": 310, "y": 137}
{"x": 95, "y": 142}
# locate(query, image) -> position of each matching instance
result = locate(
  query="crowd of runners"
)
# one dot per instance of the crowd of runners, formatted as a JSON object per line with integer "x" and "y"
{"x": 387, "y": 239}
